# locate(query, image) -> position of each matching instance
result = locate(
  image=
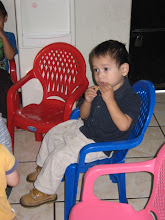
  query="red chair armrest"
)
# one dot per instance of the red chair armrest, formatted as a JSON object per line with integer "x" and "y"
{"x": 11, "y": 96}
{"x": 74, "y": 97}
{"x": 13, "y": 72}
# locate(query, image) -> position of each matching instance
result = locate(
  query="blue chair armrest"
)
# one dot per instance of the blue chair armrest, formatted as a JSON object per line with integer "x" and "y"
{"x": 75, "y": 113}
{"x": 107, "y": 146}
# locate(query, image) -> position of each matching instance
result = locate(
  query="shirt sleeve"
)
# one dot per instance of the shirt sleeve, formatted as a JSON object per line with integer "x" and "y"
{"x": 12, "y": 40}
{"x": 131, "y": 105}
{"x": 8, "y": 161}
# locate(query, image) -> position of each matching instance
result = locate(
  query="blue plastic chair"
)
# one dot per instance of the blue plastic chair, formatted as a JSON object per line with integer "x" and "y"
{"x": 145, "y": 89}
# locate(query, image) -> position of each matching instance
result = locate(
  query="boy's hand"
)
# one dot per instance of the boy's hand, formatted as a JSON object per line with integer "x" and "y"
{"x": 90, "y": 93}
{"x": 106, "y": 92}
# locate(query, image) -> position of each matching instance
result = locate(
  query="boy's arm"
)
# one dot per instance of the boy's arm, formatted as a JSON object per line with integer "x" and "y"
{"x": 9, "y": 164}
{"x": 13, "y": 178}
{"x": 85, "y": 108}
{"x": 121, "y": 120}
{"x": 8, "y": 49}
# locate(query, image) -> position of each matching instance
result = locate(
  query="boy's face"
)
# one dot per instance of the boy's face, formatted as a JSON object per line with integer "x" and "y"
{"x": 106, "y": 70}
{"x": 2, "y": 20}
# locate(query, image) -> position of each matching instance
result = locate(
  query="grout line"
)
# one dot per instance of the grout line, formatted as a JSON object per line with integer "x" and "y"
{"x": 54, "y": 210}
{"x": 145, "y": 197}
{"x": 159, "y": 125}
{"x": 27, "y": 161}
{"x": 15, "y": 203}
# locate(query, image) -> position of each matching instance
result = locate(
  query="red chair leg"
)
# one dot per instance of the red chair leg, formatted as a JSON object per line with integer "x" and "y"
{"x": 38, "y": 136}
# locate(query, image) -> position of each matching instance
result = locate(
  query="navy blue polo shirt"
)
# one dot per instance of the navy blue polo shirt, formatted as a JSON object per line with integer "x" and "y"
{"x": 100, "y": 127}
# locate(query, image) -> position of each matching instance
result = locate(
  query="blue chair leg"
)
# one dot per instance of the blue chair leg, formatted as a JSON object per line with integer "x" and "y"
{"x": 70, "y": 201}
{"x": 120, "y": 179}
{"x": 113, "y": 178}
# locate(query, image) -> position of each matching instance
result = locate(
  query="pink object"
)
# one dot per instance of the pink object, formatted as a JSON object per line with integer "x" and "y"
{"x": 91, "y": 207}
{"x": 34, "y": 5}
{"x": 61, "y": 70}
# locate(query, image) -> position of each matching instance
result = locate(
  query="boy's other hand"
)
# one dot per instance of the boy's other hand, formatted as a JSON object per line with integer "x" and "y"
{"x": 106, "y": 92}
{"x": 90, "y": 93}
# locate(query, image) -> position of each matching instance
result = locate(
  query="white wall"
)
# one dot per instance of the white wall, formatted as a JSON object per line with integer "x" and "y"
{"x": 10, "y": 24}
{"x": 100, "y": 20}
{"x": 96, "y": 21}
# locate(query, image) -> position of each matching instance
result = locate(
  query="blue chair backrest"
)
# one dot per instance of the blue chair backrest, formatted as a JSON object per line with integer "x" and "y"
{"x": 145, "y": 89}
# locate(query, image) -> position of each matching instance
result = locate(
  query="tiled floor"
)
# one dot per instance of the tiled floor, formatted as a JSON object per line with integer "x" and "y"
{"x": 138, "y": 185}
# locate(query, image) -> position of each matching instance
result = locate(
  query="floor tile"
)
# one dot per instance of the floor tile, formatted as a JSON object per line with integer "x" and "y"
{"x": 39, "y": 213}
{"x": 151, "y": 143}
{"x": 160, "y": 97}
{"x": 153, "y": 121}
{"x": 26, "y": 148}
{"x": 24, "y": 187}
{"x": 105, "y": 189}
{"x": 60, "y": 191}
{"x": 138, "y": 204}
{"x": 163, "y": 129}
{"x": 138, "y": 184}
{"x": 160, "y": 113}
{"x": 59, "y": 213}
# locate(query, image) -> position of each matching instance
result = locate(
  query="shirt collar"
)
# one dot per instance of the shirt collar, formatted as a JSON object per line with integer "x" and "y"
{"x": 119, "y": 92}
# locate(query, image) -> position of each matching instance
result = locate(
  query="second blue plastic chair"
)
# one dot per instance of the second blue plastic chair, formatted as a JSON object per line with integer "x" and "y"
{"x": 146, "y": 91}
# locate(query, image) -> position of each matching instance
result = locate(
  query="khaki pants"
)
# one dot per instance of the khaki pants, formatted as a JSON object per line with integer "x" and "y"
{"x": 60, "y": 148}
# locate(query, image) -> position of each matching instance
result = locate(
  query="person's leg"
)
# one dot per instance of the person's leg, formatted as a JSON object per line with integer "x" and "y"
{"x": 5, "y": 84}
{"x": 55, "y": 165}
{"x": 52, "y": 139}
{"x": 36, "y": 197}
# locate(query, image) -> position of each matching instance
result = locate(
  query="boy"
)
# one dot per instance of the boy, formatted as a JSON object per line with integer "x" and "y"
{"x": 7, "y": 52}
{"x": 8, "y": 175}
{"x": 108, "y": 114}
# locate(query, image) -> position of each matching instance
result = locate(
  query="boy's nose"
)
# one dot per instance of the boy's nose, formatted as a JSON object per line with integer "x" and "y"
{"x": 100, "y": 74}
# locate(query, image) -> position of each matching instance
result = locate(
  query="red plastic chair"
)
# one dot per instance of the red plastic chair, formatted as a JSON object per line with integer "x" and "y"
{"x": 13, "y": 70}
{"x": 61, "y": 70}
{"x": 93, "y": 208}
{"x": 13, "y": 75}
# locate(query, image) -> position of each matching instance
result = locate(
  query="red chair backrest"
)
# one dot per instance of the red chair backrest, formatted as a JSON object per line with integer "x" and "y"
{"x": 61, "y": 68}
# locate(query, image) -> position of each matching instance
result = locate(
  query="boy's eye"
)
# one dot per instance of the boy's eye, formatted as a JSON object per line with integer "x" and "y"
{"x": 106, "y": 69}
{"x": 96, "y": 70}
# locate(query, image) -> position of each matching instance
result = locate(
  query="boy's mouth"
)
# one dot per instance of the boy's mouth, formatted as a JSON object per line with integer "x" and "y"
{"x": 100, "y": 83}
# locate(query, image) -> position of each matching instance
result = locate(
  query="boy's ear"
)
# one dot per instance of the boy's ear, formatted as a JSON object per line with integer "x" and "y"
{"x": 6, "y": 17}
{"x": 125, "y": 69}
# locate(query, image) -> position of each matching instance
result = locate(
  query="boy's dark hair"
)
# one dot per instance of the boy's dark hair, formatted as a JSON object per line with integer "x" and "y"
{"x": 114, "y": 49}
{"x": 2, "y": 9}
